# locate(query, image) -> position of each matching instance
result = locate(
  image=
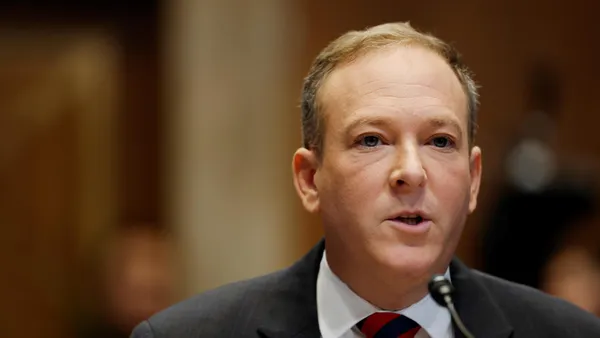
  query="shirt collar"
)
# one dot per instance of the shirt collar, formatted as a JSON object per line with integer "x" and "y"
{"x": 339, "y": 308}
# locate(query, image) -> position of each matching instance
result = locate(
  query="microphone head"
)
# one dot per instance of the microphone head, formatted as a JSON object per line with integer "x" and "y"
{"x": 439, "y": 287}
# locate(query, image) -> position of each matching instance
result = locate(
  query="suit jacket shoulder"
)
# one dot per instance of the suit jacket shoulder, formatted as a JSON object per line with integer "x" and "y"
{"x": 495, "y": 306}
{"x": 215, "y": 313}
{"x": 529, "y": 307}
{"x": 280, "y": 304}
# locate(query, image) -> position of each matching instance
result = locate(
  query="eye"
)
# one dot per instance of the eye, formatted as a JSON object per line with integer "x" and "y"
{"x": 442, "y": 142}
{"x": 369, "y": 141}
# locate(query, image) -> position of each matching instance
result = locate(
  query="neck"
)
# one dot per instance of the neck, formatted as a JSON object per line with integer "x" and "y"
{"x": 387, "y": 291}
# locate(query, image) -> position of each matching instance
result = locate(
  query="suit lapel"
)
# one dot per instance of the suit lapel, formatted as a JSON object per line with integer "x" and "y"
{"x": 475, "y": 305}
{"x": 293, "y": 309}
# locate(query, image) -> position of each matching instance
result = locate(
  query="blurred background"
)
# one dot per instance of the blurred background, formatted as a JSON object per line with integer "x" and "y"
{"x": 145, "y": 148}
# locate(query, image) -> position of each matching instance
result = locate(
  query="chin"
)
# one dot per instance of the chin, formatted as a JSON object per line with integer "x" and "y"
{"x": 412, "y": 262}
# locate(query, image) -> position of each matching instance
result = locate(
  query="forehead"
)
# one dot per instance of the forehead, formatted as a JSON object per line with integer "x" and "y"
{"x": 397, "y": 77}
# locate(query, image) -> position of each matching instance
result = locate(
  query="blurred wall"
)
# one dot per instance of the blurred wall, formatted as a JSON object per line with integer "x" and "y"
{"x": 230, "y": 109}
{"x": 56, "y": 169}
{"x": 78, "y": 151}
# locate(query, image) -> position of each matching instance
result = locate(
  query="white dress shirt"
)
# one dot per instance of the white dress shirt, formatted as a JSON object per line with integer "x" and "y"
{"x": 340, "y": 309}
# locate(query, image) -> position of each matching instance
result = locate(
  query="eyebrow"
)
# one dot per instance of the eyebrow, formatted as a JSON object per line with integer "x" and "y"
{"x": 436, "y": 122}
{"x": 369, "y": 121}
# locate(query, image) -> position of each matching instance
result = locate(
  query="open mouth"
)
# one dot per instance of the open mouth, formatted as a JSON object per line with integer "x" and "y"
{"x": 410, "y": 220}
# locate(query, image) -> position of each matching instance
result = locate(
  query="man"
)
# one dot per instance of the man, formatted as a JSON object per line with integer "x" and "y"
{"x": 389, "y": 163}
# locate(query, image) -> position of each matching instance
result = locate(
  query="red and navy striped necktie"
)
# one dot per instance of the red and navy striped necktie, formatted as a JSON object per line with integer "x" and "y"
{"x": 388, "y": 325}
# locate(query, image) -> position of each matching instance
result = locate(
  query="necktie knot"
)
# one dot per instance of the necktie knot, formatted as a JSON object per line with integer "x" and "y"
{"x": 388, "y": 325}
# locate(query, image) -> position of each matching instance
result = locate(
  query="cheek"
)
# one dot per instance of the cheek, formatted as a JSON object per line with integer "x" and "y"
{"x": 352, "y": 185}
{"x": 362, "y": 181}
{"x": 450, "y": 184}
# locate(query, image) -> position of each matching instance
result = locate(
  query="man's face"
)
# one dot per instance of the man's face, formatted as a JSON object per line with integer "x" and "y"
{"x": 396, "y": 179}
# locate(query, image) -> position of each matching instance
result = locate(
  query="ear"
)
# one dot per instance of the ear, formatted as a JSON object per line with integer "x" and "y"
{"x": 475, "y": 169}
{"x": 304, "y": 167}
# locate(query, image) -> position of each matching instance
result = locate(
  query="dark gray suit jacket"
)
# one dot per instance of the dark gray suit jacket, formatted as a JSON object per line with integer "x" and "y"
{"x": 283, "y": 305}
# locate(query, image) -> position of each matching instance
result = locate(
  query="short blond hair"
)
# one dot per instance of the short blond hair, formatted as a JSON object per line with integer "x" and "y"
{"x": 354, "y": 44}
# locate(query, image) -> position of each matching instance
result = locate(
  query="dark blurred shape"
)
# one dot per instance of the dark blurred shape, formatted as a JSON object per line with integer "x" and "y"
{"x": 573, "y": 272}
{"x": 541, "y": 200}
{"x": 134, "y": 281}
{"x": 527, "y": 228}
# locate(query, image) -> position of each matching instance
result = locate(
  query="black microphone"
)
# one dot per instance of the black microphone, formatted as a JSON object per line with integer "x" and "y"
{"x": 441, "y": 291}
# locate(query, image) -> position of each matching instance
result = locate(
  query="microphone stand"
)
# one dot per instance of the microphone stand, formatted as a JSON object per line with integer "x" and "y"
{"x": 441, "y": 291}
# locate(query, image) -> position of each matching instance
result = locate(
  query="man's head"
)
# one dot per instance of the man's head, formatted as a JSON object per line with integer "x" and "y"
{"x": 390, "y": 164}
{"x": 354, "y": 44}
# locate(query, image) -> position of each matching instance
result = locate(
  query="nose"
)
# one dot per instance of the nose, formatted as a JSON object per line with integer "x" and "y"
{"x": 408, "y": 172}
